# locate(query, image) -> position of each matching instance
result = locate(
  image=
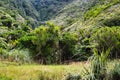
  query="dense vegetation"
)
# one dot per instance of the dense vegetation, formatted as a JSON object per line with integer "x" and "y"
{"x": 34, "y": 11}
{"x": 78, "y": 31}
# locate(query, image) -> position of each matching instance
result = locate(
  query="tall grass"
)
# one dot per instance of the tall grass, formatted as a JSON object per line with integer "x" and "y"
{"x": 97, "y": 69}
{"x": 39, "y": 72}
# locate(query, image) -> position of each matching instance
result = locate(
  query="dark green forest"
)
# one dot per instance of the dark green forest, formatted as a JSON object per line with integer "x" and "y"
{"x": 58, "y": 32}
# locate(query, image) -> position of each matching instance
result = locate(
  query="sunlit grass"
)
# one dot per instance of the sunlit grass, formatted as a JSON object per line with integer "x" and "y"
{"x": 38, "y": 72}
{"x": 14, "y": 71}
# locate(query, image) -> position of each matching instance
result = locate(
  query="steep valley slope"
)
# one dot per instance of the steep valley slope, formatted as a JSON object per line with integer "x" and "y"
{"x": 67, "y": 13}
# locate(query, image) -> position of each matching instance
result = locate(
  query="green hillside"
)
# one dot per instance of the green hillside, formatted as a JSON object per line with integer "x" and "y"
{"x": 35, "y": 11}
{"x": 47, "y": 33}
{"x": 48, "y": 9}
{"x": 88, "y": 13}
{"x": 22, "y": 8}
{"x": 74, "y": 18}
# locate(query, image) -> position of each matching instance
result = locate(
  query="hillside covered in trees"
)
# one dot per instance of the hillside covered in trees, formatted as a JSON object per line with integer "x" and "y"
{"x": 35, "y": 11}
{"x": 62, "y": 31}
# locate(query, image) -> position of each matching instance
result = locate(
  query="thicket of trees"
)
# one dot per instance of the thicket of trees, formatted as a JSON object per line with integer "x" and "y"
{"x": 49, "y": 44}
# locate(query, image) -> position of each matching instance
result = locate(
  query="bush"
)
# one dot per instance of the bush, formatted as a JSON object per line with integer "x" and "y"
{"x": 15, "y": 34}
{"x": 27, "y": 41}
{"x": 18, "y": 55}
{"x": 53, "y": 46}
{"x": 83, "y": 48}
{"x": 68, "y": 44}
{"x": 107, "y": 37}
{"x": 47, "y": 39}
{"x": 97, "y": 70}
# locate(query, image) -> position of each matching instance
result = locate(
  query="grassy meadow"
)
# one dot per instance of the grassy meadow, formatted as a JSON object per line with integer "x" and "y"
{"x": 14, "y": 71}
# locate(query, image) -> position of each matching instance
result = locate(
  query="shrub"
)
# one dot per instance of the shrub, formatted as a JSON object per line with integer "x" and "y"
{"x": 15, "y": 34}
{"x": 53, "y": 46}
{"x": 107, "y": 37}
{"x": 18, "y": 55}
{"x": 83, "y": 48}
{"x": 47, "y": 39}
{"x": 27, "y": 41}
{"x": 67, "y": 45}
{"x": 97, "y": 70}
{"x": 26, "y": 28}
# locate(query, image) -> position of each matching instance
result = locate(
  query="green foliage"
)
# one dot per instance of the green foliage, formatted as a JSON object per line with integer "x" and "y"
{"x": 112, "y": 22}
{"x": 107, "y": 37}
{"x": 3, "y": 54}
{"x": 26, "y": 41}
{"x": 83, "y": 48}
{"x": 7, "y": 22}
{"x": 6, "y": 19}
{"x": 69, "y": 37}
{"x": 15, "y": 34}
{"x": 68, "y": 44}
{"x": 47, "y": 39}
{"x": 49, "y": 43}
{"x": 71, "y": 21}
{"x": 3, "y": 43}
{"x": 26, "y": 28}
{"x": 98, "y": 64}
{"x": 98, "y": 8}
{"x": 41, "y": 36}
